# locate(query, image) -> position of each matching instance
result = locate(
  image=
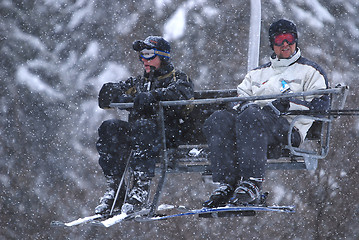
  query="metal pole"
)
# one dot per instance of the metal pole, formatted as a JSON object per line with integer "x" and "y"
{"x": 234, "y": 99}
{"x": 254, "y": 34}
{"x": 121, "y": 182}
{"x": 251, "y": 98}
{"x": 332, "y": 112}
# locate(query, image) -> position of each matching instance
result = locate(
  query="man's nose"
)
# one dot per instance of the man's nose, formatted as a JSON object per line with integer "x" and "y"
{"x": 285, "y": 43}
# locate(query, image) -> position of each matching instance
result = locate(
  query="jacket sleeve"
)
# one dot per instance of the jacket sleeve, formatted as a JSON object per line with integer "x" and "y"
{"x": 316, "y": 80}
{"x": 110, "y": 92}
{"x": 180, "y": 87}
{"x": 244, "y": 89}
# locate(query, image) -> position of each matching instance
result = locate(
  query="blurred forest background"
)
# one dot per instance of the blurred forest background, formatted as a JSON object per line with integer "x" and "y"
{"x": 55, "y": 56}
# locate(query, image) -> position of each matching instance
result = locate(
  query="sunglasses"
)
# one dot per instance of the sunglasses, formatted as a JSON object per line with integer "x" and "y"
{"x": 281, "y": 38}
{"x": 150, "y": 54}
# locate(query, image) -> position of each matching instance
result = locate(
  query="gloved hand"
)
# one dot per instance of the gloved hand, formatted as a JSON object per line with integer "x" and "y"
{"x": 144, "y": 102}
{"x": 124, "y": 98}
{"x": 322, "y": 103}
{"x": 107, "y": 94}
{"x": 281, "y": 104}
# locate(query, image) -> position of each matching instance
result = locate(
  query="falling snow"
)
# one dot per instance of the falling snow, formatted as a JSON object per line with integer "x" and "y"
{"x": 55, "y": 56}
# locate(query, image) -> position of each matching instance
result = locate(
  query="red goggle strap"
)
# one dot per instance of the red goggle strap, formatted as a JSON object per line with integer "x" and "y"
{"x": 279, "y": 39}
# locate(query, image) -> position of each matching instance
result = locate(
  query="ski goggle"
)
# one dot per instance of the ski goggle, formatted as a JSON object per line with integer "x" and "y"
{"x": 281, "y": 38}
{"x": 150, "y": 54}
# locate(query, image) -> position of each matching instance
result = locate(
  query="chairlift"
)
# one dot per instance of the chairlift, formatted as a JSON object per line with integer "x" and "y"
{"x": 191, "y": 155}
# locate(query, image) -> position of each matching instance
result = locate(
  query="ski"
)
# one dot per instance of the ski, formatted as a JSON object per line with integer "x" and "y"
{"x": 78, "y": 221}
{"x": 121, "y": 217}
{"x": 85, "y": 220}
{"x": 224, "y": 211}
{"x": 107, "y": 220}
{"x": 246, "y": 211}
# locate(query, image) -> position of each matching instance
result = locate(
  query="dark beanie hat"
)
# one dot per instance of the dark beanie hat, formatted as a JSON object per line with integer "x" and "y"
{"x": 152, "y": 42}
{"x": 282, "y": 26}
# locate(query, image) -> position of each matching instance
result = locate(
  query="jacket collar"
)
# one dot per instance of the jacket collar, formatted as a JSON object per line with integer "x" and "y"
{"x": 167, "y": 75}
{"x": 167, "y": 68}
{"x": 278, "y": 63}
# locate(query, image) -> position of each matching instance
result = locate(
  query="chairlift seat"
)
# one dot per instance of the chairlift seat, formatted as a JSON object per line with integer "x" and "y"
{"x": 281, "y": 157}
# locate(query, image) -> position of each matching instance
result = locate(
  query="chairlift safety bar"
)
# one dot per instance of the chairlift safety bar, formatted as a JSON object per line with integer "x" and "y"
{"x": 337, "y": 90}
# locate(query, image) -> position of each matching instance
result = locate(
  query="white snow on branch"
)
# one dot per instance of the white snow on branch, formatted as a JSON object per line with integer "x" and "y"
{"x": 126, "y": 24}
{"x": 320, "y": 12}
{"x": 279, "y": 5}
{"x": 32, "y": 40}
{"x": 92, "y": 51}
{"x": 35, "y": 84}
{"x": 113, "y": 72}
{"x": 80, "y": 14}
{"x": 160, "y": 4}
{"x": 316, "y": 17}
{"x": 210, "y": 11}
{"x": 353, "y": 29}
{"x": 175, "y": 27}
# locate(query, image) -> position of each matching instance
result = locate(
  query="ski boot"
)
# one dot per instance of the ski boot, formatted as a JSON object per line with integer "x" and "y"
{"x": 138, "y": 196}
{"x": 107, "y": 200}
{"x": 219, "y": 197}
{"x": 247, "y": 192}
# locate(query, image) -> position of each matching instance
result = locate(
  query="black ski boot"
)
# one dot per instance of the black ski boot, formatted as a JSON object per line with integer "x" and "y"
{"x": 247, "y": 192}
{"x": 106, "y": 201}
{"x": 138, "y": 196}
{"x": 219, "y": 197}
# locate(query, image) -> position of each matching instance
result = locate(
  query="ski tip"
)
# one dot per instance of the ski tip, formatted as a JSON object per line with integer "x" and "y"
{"x": 57, "y": 224}
{"x": 290, "y": 209}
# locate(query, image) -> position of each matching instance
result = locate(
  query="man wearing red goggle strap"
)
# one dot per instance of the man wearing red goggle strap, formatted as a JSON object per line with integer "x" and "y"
{"x": 284, "y": 37}
{"x": 238, "y": 140}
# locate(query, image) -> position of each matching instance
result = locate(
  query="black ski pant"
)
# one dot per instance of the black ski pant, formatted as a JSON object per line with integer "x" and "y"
{"x": 117, "y": 138}
{"x": 238, "y": 142}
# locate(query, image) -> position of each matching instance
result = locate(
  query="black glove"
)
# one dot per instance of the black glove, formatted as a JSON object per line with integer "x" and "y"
{"x": 281, "y": 104}
{"x": 144, "y": 102}
{"x": 124, "y": 98}
{"x": 107, "y": 94}
{"x": 322, "y": 103}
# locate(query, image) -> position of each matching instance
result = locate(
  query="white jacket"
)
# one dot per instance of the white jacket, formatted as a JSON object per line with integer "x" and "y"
{"x": 301, "y": 75}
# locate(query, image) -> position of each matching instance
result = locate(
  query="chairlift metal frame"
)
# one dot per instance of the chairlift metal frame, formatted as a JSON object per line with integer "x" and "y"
{"x": 300, "y": 158}
{"x": 308, "y": 156}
